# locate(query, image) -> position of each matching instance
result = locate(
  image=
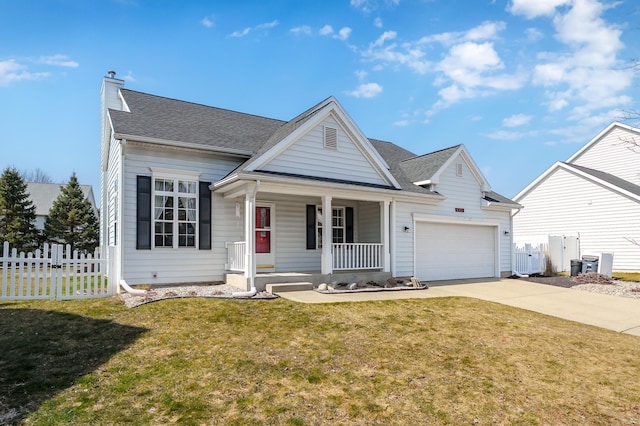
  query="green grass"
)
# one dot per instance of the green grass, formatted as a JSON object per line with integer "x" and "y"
{"x": 626, "y": 276}
{"x": 212, "y": 361}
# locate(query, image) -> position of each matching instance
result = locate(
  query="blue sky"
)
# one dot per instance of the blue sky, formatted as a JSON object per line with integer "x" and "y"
{"x": 522, "y": 83}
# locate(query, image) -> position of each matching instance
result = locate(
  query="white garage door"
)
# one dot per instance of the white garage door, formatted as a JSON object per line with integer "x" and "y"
{"x": 448, "y": 251}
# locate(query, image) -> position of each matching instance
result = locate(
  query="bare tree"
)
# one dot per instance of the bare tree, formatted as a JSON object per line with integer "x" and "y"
{"x": 37, "y": 175}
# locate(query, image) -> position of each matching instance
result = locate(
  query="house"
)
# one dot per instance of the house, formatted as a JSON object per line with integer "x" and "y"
{"x": 193, "y": 193}
{"x": 593, "y": 196}
{"x": 43, "y": 196}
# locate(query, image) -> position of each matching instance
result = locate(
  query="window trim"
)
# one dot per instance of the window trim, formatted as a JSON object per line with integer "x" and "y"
{"x": 176, "y": 176}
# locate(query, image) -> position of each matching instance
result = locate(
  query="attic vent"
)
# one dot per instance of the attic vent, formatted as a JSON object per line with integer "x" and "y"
{"x": 330, "y": 138}
{"x": 459, "y": 169}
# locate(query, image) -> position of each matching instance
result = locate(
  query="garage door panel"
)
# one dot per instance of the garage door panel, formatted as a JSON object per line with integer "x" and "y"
{"x": 451, "y": 251}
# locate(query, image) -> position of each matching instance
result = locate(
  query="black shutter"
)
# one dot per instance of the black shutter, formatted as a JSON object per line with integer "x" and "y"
{"x": 349, "y": 223}
{"x": 311, "y": 227}
{"x": 143, "y": 213}
{"x": 204, "y": 213}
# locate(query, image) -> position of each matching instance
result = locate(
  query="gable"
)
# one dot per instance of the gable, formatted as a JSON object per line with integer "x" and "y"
{"x": 427, "y": 170}
{"x": 612, "y": 152}
{"x": 339, "y": 157}
{"x": 300, "y": 148}
{"x": 543, "y": 189}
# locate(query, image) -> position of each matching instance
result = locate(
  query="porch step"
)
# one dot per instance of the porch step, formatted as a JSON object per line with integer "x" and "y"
{"x": 276, "y": 288}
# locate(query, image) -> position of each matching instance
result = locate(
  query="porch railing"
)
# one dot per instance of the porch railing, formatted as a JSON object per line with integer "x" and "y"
{"x": 357, "y": 256}
{"x": 235, "y": 255}
{"x": 346, "y": 256}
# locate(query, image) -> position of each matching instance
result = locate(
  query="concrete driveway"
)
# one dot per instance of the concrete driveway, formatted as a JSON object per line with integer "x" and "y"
{"x": 616, "y": 313}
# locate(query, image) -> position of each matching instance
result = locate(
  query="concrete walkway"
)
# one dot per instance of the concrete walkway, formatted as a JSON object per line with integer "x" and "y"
{"x": 616, "y": 313}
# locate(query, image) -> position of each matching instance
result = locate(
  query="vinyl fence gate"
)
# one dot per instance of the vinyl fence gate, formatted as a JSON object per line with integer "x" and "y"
{"x": 53, "y": 273}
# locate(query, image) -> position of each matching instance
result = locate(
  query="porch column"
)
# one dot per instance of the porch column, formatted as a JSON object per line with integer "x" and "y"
{"x": 386, "y": 252}
{"x": 250, "y": 237}
{"x": 392, "y": 237}
{"x": 327, "y": 231}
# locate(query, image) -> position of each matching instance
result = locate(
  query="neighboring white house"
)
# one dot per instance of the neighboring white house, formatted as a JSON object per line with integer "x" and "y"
{"x": 44, "y": 194}
{"x": 594, "y": 195}
{"x": 193, "y": 193}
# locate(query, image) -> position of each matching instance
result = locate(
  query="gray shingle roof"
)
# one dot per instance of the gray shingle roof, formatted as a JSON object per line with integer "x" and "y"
{"x": 425, "y": 166}
{"x": 610, "y": 179}
{"x": 162, "y": 118}
{"x": 169, "y": 119}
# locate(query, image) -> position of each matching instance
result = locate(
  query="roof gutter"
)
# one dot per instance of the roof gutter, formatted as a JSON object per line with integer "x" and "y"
{"x": 397, "y": 194}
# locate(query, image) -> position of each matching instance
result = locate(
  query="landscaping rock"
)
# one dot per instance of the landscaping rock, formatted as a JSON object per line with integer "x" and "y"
{"x": 322, "y": 287}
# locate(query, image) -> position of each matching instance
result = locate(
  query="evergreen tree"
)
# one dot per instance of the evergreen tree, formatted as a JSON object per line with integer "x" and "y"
{"x": 71, "y": 219}
{"x": 17, "y": 213}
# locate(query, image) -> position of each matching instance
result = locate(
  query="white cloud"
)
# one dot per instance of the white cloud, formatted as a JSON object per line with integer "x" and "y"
{"x": 378, "y": 23}
{"x": 588, "y": 74}
{"x": 366, "y": 90}
{"x": 488, "y": 30}
{"x": 59, "y": 61}
{"x": 401, "y": 123}
{"x": 267, "y": 25}
{"x": 344, "y": 33}
{"x": 129, "y": 77}
{"x": 368, "y": 6}
{"x": 504, "y": 135}
{"x": 534, "y": 34}
{"x": 207, "y": 21}
{"x": 326, "y": 30}
{"x": 260, "y": 27}
{"x": 241, "y": 33}
{"x": 12, "y": 72}
{"x": 301, "y": 30}
{"x": 516, "y": 120}
{"x": 535, "y": 8}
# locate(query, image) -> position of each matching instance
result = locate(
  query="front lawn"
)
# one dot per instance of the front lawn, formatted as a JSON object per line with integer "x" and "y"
{"x": 211, "y": 361}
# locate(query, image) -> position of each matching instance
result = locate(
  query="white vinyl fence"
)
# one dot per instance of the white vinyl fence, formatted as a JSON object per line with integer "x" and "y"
{"x": 529, "y": 259}
{"x": 52, "y": 273}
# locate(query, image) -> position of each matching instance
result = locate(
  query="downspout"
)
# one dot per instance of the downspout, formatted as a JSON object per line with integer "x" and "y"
{"x": 252, "y": 278}
{"x": 131, "y": 290}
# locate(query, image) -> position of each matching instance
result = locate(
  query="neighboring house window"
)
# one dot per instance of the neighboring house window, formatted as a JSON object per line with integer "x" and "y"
{"x": 314, "y": 226}
{"x": 173, "y": 212}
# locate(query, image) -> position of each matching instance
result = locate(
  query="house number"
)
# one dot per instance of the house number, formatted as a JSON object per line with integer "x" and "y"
{"x": 459, "y": 210}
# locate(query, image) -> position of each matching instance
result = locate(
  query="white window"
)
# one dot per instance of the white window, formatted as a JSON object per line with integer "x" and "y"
{"x": 175, "y": 212}
{"x": 458, "y": 169}
{"x": 338, "y": 222}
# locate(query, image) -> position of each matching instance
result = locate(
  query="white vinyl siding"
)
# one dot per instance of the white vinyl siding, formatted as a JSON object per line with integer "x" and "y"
{"x": 368, "y": 222}
{"x": 566, "y": 204}
{"x": 111, "y": 209}
{"x": 309, "y": 157}
{"x": 611, "y": 154}
{"x": 184, "y": 264}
